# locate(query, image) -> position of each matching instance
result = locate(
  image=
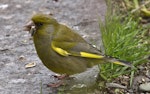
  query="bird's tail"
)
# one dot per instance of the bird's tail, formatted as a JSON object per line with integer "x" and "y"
{"x": 118, "y": 62}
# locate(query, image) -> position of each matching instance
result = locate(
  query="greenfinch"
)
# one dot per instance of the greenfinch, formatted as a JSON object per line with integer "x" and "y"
{"x": 62, "y": 50}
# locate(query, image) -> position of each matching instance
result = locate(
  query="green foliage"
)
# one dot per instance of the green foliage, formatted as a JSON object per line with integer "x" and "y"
{"x": 122, "y": 38}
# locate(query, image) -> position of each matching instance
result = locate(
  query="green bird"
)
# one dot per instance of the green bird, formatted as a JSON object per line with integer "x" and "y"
{"x": 62, "y": 50}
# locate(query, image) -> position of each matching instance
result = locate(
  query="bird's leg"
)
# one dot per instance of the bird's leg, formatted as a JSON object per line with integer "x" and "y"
{"x": 62, "y": 79}
{"x": 55, "y": 85}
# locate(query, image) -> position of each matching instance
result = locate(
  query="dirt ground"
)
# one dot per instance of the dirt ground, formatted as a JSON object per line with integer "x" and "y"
{"x": 17, "y": 49}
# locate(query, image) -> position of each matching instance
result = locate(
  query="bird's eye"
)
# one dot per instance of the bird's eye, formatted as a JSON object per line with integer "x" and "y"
{"x": 39, "y": 24}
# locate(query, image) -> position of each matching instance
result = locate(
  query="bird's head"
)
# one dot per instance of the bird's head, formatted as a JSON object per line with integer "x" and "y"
{"x": 41, "y": 23}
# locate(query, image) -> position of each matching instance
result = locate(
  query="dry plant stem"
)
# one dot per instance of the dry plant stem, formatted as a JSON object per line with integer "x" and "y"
{"x": 140, "y": 7}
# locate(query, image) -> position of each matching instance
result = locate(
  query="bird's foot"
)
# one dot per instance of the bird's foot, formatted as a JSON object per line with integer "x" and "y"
{"x": 55, "y": 85}
{"x": 62, "y": 80}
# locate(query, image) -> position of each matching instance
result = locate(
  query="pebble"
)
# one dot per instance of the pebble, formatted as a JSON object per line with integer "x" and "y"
{"x": 145, "y": 87}
{"x": 115, "y": 85}
{"x": 3, "y": 6}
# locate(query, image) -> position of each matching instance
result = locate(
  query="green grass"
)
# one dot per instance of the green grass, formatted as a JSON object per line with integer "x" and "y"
{"x": 123, "y": 38}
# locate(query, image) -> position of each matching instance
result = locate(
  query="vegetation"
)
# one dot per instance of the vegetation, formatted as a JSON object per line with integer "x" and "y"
{"x": 124, "y": 37}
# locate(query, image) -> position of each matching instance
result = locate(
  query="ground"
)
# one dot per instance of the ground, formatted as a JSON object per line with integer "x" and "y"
{"x": 17, "y": 47}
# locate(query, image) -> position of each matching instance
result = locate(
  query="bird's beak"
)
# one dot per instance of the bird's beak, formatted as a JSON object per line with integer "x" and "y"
{"x": 30, "y": 27}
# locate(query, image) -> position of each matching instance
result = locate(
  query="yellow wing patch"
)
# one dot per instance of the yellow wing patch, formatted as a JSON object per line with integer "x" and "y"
{"x": 81, "y": 54}
{"x": 59, "y": 50}
{"x": 90, "y": 55}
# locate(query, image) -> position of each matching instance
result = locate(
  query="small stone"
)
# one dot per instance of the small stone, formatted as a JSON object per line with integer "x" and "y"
{"x": 3, "y": 6}
{"x": 115, "y": 85}
{"x": 145, "y": 87}
{"x": 143, "y": 80}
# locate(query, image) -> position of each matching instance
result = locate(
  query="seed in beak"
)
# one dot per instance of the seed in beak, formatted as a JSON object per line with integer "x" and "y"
{"x": 32, "y": 30}
{"x": 28, "y": 26}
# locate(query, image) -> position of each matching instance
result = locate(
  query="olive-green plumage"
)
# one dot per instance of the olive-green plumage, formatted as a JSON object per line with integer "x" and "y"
{"x": 62, "y": 50}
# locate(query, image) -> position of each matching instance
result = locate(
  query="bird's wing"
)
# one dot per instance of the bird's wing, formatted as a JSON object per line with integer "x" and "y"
{"x": 66, "y": 42}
